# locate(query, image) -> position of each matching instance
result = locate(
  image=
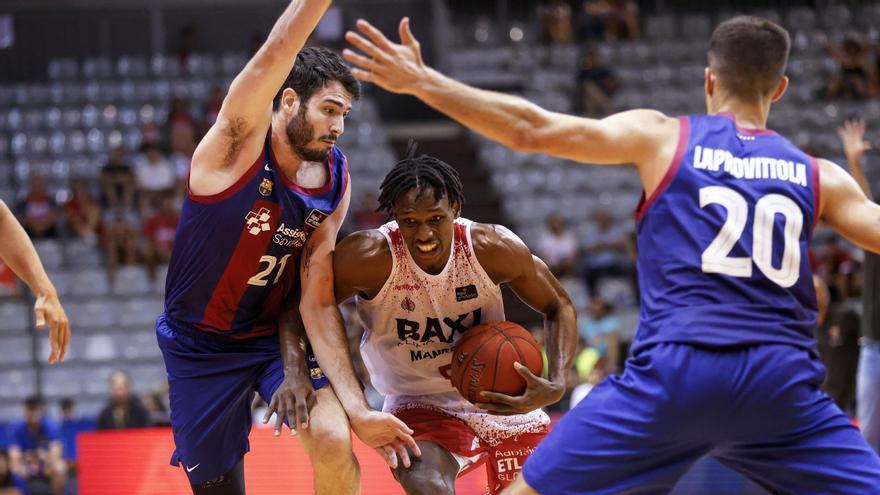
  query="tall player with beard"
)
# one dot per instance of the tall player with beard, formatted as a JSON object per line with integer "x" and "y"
{"x": 266, "y": 195}
{"x": 420, "y": 282}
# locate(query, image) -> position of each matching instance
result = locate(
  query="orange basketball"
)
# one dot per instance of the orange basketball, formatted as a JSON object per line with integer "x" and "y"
{"x": 483, "y": 359}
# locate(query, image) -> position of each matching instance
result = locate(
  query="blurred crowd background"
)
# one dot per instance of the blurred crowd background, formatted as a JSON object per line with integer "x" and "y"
{"x": 103, "y": 102}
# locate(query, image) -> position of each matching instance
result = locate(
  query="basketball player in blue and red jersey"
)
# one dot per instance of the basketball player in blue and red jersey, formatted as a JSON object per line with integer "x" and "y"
{"x": 266, "y": 195}
{"x": 724, "y": 360}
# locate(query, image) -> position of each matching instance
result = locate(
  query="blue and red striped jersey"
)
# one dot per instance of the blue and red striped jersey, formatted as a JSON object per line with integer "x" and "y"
{"x": 236, "y": 254}
{"x": 722, "y": 242}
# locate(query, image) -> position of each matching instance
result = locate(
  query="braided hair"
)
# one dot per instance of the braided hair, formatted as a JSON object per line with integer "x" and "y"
{"x": 419, "y": 173}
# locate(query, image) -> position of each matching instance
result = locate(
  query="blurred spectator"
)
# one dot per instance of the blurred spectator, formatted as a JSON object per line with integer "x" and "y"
{"x": 120, "y": 241}
{"x": 606, "y": 251}
{"x": 366, "y": 216}
{"x": 585, "y": 387}
{"x": 181, "y": 127}
{"x": 187, "y": 40}
{"x": 124, "y": 410}
{"x": 10, "y": 482}
{"x": 601, "y": 332}
{"x": 70, "y": 427}
{"x": 38, "y": 210}
{"x": 622, "y": 22}
{"x": 212, "y": 107}
{"x": 35, "y": 450}
{"x": 837, "y": 339}
{"x": 82, "y": 212}
{"x": 156, "y": 404}
{"x": 837, "y": 267}
{"x": 154, "y": 176}
{"x": 159, "y": 230}
{"x": 608, "y": 20}
{"x": 558, "y": 248}
{"x": 555, "y": 18}
{"x": 853, "y": 79}
{"x": 596, "y": 84}
{"x": 117, "y": 181}
{"x": 591, "y": 22}
{"x": 151, "y": 133}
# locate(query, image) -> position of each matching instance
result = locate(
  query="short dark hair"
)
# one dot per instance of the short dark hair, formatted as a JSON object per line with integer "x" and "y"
{"x": 749, "y": 54}
{"x": 33, "y": 402}
{"x": 420, "y": 172}
{"x": 316, "y": 66}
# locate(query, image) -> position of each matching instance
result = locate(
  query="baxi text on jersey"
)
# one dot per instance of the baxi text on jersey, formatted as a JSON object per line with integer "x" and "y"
{"x": 756, "y": 167}
{"x": 288, "y": 237}
{"x": 436, "y": 329}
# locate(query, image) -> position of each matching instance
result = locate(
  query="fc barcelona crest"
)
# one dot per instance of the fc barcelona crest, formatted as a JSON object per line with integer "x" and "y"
{"x": 266, "y": 187}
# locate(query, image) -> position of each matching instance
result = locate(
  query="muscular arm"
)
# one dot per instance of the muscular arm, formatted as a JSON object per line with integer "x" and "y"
{"x": 845, "y": 207}
{"x": 18, "y": 252}
{"x": 247, "y": 108}
{"x": 361, "y": 265}
{"x": 507, "y": 259}
{"x": 644, "y": 137}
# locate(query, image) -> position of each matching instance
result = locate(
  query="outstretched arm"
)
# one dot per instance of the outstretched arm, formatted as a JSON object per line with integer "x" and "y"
{"x": 326, "y": 331}
{"x": 636, "y": 136}
{"x": 18, "y": 252}
{"x": 846, "y": 208}
{"x": 507, "y": 259}
{"x": 247, "y": 108}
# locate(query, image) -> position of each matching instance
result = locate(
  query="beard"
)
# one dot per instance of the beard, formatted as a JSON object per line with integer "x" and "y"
{"x": 301, "y": 133}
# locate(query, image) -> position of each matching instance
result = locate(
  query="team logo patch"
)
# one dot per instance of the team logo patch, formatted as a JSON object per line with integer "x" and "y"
{"x": 258, "y": 222}
{"x": 316, "y": 373}
{"x": 315, "y": 218}
{"x": 408, "y": 305}
{"x": 465, "y": 293}
{"x": 266, "y": 187}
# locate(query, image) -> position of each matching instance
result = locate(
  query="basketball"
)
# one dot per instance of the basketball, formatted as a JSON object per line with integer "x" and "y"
{"x": 483, "y": 360}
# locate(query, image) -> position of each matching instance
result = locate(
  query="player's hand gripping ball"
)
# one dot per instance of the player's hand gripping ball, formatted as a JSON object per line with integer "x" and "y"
{"x": 483, "y": 360}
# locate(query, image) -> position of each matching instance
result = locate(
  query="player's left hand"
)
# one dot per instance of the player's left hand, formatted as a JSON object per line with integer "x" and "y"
{"x": 49, "y": 312}
{"x": 293, "y": 400}
{"x": 539, "y": 393}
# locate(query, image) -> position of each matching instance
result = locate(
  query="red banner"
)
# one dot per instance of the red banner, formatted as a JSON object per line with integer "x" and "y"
{"x": 135, "y": 462}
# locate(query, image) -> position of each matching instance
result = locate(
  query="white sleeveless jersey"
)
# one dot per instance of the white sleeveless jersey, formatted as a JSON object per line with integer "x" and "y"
{"x": 414, "y": 321}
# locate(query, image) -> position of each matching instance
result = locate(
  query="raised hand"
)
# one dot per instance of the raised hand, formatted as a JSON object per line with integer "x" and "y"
{"x": 539, "y": 393}
{"x": 394, "y": 67}
{"x": 852, "y": 133}
{"x": 48, "y": 311}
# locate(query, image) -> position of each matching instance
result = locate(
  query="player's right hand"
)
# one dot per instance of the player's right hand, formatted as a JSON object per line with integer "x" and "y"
{"x": 48, "y": 311}
{"x": 386, "y": 434}
{"x": 394, "y": 67}
{"x": 293, "y": 400}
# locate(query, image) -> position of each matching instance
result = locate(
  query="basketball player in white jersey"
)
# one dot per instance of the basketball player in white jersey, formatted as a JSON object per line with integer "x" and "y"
{"x": 420, "y": 282}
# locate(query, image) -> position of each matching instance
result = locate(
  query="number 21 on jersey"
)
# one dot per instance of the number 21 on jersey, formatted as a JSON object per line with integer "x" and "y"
{"x": 716, "y": 257}
{"x": 261, "y": 279}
